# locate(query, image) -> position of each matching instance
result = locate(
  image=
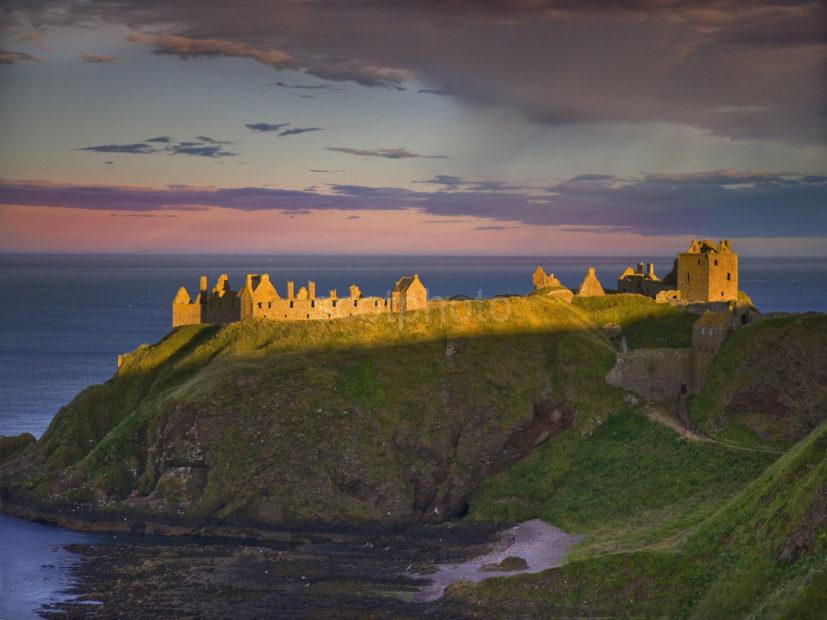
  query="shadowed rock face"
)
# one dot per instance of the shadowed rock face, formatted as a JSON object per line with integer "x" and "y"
{"x": 772, "y": 379}
{"x": 257, "y": 424}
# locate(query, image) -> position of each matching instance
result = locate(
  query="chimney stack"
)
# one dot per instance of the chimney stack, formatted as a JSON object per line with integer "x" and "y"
{"x": 311, "y": 289}
{"x": 203, "y": 286}
{"x": 291, "y": 290}
{"x": 650, "y": 269}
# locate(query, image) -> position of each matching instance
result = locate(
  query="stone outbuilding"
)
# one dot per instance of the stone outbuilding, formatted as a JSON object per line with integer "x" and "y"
{"x": 642, "y": 281}
{"x": 590, "y": 286}
{"x": 540, "y": 280}
{"x": 408, "y": 294}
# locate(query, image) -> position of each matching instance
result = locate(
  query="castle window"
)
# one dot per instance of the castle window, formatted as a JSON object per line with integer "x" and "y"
{"x": 259, "y": 305}
{"x": 687, "y": 277}
{"x": 376, "y": 303}
{"x": 269, "y": 304}
{"x": 699, "y": 262}
{"x": 729, "y": 277}
{"x": 355, "y": 302}
{"x": 308, "y": 316}
{"x": 334, "y": 303}
{"x": 291, "y": 304}
{"x": 716, "y": 262}
{"x": 313, "y": 304}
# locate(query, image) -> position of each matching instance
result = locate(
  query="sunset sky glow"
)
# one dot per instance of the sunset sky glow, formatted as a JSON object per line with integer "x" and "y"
{"x": 351, "y": 127}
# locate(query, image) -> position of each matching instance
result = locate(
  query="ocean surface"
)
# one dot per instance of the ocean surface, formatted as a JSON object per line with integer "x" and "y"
{"x": 64, "y": 320}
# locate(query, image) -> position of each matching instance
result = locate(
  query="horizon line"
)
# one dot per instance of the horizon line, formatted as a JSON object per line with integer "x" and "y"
{"x": 377, "y": 255}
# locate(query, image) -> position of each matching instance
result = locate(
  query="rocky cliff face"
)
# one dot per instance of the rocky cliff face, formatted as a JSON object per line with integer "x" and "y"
{"x": 768, "y": 384}
{"x": 262, "y": 424}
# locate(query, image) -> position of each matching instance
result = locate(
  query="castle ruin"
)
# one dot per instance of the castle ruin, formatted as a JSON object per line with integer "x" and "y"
{"x": 706, "y": 272}
{"x": 258, "y": 298}
{"x": 704, "y": 280}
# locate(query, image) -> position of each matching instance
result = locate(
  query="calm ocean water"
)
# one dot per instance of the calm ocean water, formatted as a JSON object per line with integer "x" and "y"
{"x": 64, "y": 319}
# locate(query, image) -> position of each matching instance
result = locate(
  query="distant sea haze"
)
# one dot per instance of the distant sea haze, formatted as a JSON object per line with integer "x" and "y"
{"x": 66, "y": 318}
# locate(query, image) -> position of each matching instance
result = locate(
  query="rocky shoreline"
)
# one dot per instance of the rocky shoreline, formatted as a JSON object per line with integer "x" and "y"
{"x": 306, "y": 577}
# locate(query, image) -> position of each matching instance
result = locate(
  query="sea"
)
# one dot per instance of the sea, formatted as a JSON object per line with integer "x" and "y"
{"x": 65, "y": 318}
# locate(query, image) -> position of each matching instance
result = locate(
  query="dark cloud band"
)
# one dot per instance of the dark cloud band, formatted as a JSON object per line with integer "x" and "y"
{"x": 724, "y": 203}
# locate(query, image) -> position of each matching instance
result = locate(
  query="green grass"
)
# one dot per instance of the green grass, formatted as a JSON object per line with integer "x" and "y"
{"x": 762, "y": 552}
{"x": 644, "y": 323}
{"x": 358, "y": 380}
{"x": 627, "y": 472}
{"x": 639, "y": 585}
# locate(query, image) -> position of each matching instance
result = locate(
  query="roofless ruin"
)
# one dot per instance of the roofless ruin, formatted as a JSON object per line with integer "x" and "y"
{"x": 259, "y": 299}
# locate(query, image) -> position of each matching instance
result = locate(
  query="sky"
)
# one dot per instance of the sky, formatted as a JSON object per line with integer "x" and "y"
{"x": 525, "y": 127}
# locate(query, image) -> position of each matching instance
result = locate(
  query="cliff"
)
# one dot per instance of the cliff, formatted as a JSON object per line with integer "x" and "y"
{"x": 492, "y": 411}
{"x": 390, "y": 419}
{"x": 768, "y": 384}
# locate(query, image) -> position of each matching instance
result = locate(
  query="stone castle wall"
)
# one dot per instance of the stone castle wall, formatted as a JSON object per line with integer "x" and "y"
{"x": 654, "y": 374}
{"x": 317, "y": 309}
{"x": 259, "y": 299}
{"x": 708, "y": 335}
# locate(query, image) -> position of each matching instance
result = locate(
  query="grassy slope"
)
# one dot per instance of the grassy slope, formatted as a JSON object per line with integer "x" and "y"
{"x": 632, "y": 483}
{"x": 645, "y": 324}
{"x": 762, "y": 553}
{"x": 768, "y": 384}
{"x": 364, "y": 419}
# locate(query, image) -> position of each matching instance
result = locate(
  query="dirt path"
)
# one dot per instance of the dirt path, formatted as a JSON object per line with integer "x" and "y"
{"x": 541, "y": 545}
{"x": 659, "y": 412}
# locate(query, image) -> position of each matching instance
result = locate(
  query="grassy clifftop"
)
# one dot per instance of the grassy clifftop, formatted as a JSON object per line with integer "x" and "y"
{"x": 388, "y": 418}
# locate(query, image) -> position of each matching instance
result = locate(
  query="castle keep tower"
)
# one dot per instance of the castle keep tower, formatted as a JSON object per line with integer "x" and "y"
{"x": 708, "y": 271}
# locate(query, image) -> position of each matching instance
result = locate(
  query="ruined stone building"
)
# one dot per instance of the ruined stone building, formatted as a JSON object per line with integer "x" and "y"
{"x": 644, "y": 282}
{"x": 670, "y": 374}
{"x": 541, "y": 280}
{"x": 408, "y": 294}
{"x": 590, "y": 286}
{"x": 706, "y": 272}
{"x": 258, "y": 298}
